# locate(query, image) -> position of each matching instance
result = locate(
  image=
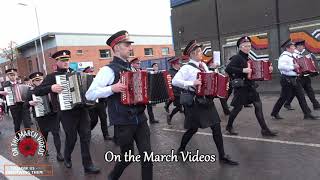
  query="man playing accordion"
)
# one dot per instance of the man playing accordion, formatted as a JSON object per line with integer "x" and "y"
{"x": 74, "y": 121}
{"x": 305, "y": 79}
{"x": 130, "y": 121}
{"x": 48, "y": 121}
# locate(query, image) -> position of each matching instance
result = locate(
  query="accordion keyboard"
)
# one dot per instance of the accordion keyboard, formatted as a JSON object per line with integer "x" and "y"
{"x": 65, "y": 97}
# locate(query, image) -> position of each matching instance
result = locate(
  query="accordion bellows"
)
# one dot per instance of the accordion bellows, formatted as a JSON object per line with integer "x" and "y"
{"x": 75, "y": 86}
{"x": 146, "y": 87}
{"x": 213, "y": 84}
{"x": 306, "y": 66}
{"x": 260, "y": 70}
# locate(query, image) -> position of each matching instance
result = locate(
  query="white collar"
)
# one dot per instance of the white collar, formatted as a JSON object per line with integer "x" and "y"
{"x": 195, "y": 62}
{"x": 287, "y": 53}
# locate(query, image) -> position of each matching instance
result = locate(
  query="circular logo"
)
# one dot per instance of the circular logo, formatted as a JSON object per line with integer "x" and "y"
{"x": 28, "y": 144}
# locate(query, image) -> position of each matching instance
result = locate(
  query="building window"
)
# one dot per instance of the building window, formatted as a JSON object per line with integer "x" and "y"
{"x": 131, "y": 53}
{"x": 105, "y": 53}
{"x": 79, "y": 51}
{"x": 148, "y": 51}
{"x": 165, "y": 51}
{"x": 30, "y": 66}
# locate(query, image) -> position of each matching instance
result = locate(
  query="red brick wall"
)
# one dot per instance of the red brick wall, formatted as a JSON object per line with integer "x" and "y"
{"x": 90, "y": 53}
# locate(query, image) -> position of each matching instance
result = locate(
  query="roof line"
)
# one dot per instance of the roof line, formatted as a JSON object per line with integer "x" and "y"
{"x": 93, "y": 34}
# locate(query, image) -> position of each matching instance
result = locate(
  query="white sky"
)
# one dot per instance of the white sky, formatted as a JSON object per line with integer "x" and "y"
{"x": 18, "y": 23}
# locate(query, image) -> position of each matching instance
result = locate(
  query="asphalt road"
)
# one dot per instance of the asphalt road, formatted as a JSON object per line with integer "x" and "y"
{"x": 294, "y": 154}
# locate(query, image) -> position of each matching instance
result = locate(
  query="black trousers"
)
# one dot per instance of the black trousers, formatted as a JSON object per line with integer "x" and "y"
{"x": 99, "y": 111}
{"x": 229, "y": 92}
{"x": 168, "y": 103}
{"x": 258, "y": 112}
{"x": 288, "y": 85}
{"x": 127, "y": 135}
{"x": 150, "y": 112}
{"x": 224, "y": 105}
{"x": 216, "y": 134}
{"x": 305, "y": 82}
{"x": 77, "y": 121}
{"x": 50, "y": 123}
{"x": 19, "y": 115}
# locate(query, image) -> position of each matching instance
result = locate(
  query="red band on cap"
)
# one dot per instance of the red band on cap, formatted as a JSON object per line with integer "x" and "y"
{"x": 190, "y": 48}
{"x": 117, "y": 40}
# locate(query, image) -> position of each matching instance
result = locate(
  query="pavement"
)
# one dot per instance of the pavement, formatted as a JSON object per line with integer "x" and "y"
{"x": 293, "y": 154}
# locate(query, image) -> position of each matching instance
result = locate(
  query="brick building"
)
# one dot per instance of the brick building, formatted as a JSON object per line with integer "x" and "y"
{"x": 87, "y": 50}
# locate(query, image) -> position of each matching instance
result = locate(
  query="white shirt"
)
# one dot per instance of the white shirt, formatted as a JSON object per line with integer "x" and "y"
{"x": 101, "y": 85}
{"x": 187, "y": 75}
{"x": 286, "y": 65}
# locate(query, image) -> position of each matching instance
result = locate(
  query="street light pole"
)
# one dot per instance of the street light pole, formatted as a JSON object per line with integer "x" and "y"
{"x": 40, "y": 38}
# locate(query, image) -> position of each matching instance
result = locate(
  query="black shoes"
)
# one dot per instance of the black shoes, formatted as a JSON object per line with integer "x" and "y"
{"x": 60, "y": 157}
{"x": 153, "y": 121}
{"x": 268, "y": 132}
{"x": 166, "y": 108}
{"x": 227, "y": 160}
{"x": 231, "y": 131}
{"x": 316, "y": 107}
{"x": 288, "y": 107}
{"x": 107, "y": 137}
{"x": 91, "y": 170}
{"x": 168, "y": 119}
{"x": 179, "y": 151}
{"x": 277, "y": 117}
{"x": 311, "y": 117}
{"x": 67, "y": 164}
{"x": 247, "y": 106}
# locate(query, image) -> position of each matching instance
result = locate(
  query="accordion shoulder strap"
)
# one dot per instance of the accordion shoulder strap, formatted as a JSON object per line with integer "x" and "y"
{"x": 193, "y": 65}
{"x": 121, "y": 67}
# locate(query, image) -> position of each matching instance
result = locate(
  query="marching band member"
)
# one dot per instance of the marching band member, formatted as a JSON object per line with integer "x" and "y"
{"x": 130, "y": 121}
{"x": 305, "y": 79}
{"x": 47, "y": 123}
{"x": 175, "y": 66}
{"x": 246, "y": 93}
{"x": 17, "y": 110}
{"x": 74, "y": 121}
{"x": 155, "y": 68}
{"x": 198, "y": 114}
{"x": 289, "y": 83}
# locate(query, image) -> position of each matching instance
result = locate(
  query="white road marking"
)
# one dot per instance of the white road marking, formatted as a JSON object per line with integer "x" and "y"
{"x": 4, "y": 161}
{"x": 252, "y": 139}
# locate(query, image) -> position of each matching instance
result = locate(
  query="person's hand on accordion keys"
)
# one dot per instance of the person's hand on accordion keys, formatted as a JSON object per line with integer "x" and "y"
{"x": 56, "y": 88}
{"x": 118, "y": 87}
{"x": 197, "y": 82}
{"x": 270, "y": 68}
{"x": 33, "y": 103}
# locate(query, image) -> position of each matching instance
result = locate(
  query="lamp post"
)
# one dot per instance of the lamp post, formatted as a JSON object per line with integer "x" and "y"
{"x": 40, "y": 38}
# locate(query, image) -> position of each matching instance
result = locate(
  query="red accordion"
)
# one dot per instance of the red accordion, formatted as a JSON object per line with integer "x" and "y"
{"x": 306, "y": 66}
{"x": 260, "y": 70}
{"x": 213, "y": 84}
{"x": 146, "y": 87}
